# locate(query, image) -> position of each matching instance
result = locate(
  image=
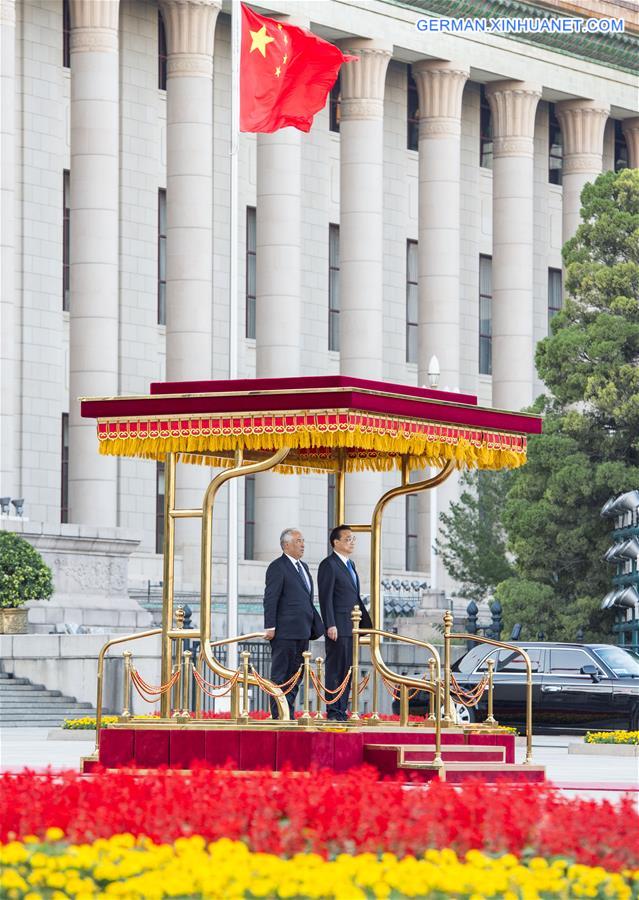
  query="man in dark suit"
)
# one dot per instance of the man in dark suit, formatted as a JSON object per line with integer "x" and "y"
{"x": 339, "y": 592}
{"x": 290, "y": 618}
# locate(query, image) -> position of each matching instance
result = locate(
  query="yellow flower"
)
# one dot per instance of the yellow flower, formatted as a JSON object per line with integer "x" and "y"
{"x": 54, "y": 834}
{"x": 129, "y": 867}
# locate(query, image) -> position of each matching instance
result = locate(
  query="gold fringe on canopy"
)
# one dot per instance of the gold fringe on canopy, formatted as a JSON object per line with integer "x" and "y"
{"x": 372, "y": 442}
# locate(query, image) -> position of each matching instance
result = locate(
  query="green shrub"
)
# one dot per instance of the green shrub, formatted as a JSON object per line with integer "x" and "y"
{"x": 24, "y": 575}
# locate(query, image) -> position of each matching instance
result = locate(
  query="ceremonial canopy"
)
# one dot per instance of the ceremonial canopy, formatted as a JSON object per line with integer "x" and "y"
{"x": 330, "y": 423}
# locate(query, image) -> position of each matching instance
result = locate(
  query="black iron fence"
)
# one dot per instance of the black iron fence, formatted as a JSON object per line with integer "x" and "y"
{"x": 261, "y": 660}
{"x": 492, "y": 630}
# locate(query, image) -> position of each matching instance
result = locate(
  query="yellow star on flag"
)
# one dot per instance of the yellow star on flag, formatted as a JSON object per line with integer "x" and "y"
{"x": 277, "y": 72}
{"x": 259, "y": 40}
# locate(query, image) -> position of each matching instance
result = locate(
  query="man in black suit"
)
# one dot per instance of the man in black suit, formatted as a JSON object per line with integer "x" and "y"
{"x": 290, "y": 618}
{"x": 339, "y": 592}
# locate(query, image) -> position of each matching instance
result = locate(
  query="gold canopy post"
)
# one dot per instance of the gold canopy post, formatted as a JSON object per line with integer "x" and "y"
{"x": 376, "y": 565}
{"x": 168, "y": 570}
{"x": 237, "y": 471}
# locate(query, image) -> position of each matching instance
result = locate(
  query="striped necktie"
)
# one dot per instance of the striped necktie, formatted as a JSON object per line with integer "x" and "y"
{"x": 302, "y": 574}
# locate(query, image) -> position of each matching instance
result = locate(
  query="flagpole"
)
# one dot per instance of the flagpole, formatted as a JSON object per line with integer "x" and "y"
{"x": 232, "y": 548}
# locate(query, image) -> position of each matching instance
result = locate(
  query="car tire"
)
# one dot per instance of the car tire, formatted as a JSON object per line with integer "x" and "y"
{"x": 466, "y": 715}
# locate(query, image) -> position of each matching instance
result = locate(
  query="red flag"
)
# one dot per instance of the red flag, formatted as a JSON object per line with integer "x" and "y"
{"x": 286, "y": 74}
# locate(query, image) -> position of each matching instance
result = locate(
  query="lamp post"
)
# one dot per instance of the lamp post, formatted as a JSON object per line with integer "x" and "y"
{"x": 433, "y": 372}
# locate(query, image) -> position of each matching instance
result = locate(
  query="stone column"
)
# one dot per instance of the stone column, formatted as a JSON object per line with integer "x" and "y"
{"x": 631, "y": 133}
{"x": 361, "y": 208}
{"x": 9, "y": 481}
{"x": 278, "y": 310}
{"x": 440, "y": 86}
{"x": 582, "y": 127}
{"x": 513, "y": 105}
{"x": 362, "y": 245}
{"x": 93, "y": 318}
{"x": 190, "y": 34}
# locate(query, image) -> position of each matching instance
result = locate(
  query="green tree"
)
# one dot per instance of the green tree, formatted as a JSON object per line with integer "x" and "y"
{"x": 24, "y": 575}
{"x": 472, "y": 542}
{"x": 590, "y": 446}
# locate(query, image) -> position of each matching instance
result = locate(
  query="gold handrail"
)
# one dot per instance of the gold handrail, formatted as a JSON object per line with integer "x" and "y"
{"x": 484, "y": 640}
{"x": 376, "y": 563}
{"x": 407, "y": 640}
{"x": 101, "y": 656}
{"x": 433, "y": 688}
{"x": 240, "y": 637}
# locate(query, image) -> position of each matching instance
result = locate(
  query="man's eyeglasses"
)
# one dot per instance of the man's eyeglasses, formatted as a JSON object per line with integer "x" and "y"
{"x": 349, "y": 540}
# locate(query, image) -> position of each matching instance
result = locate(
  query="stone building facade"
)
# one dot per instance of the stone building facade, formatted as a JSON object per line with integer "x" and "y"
{"x": 422, "y": 215}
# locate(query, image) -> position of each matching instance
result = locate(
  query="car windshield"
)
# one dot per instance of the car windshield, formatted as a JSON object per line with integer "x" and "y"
{"x": 622, "y": 663}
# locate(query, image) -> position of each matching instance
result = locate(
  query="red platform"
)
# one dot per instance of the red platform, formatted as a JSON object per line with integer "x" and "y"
{"x": 405, "y": 752}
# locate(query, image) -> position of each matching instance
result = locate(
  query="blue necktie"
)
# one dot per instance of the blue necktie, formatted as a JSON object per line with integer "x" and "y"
{"x": 351, "y": 569}
{"x": 302, "y": 574}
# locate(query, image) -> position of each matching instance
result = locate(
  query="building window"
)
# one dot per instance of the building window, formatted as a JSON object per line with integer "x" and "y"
{"x": 555, "y": 301}
{"x": 335, "y": 106}
{"x": 485, "y": 131}
{"x": 64, "y": 469}
{"x": 249, "y": 517}
{"x": 66, "y": 222}
{"x": 161, "y": 256}
{"x": 412, "y": 114}
{"x": 411, "y": 301}
{"x": 66, "y": 34}
{"x": 555, "y": 147}
{"x": 162, "y": 54}
{"x": 621, "y": 148}
{"x": 333, "y": 287}
{"x": 251, "y": 260}
{"x": 411, "y": 532}
{"x": 485, "y": 315}
{"x": 159, "y": 507}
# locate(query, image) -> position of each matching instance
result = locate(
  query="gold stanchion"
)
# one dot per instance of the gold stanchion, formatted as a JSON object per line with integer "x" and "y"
{"x": 374, "y": 718}
{"x": 186, "y": 674}
{"x": 356, "y": 617}
{"x": 431, "y": 677}
{"x": 529, "y": 752}
{"x": 305, "y": 718}
{"x": 198, "y": 690}
{"x": 235, "y": 701}
{"x": 126, "y": 686}
{"x": 319, "y": 672}
{"x": 447, "y": 718}
{"x": 438, "y": 762}
{"x": 490, "y": 719}
{"x": 176, "y": 690}
{"x": 244, "y": 717}
{"x": 403, "y": 705}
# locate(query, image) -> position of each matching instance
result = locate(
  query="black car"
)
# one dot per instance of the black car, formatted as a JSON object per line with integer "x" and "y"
{"x": 586, "y": 687}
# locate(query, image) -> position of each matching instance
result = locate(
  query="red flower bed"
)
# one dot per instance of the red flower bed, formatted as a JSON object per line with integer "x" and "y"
{"x": 323, "y": 812}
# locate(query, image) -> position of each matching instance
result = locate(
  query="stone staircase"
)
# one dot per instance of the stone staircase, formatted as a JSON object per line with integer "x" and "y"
{"x": 27, "y": 705}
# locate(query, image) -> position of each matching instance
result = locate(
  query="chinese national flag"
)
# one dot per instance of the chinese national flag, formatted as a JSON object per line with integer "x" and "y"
{"x": 285, "y": 74}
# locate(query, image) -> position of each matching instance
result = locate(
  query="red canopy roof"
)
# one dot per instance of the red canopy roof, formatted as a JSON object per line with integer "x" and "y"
{"x": 377, "y": 423}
